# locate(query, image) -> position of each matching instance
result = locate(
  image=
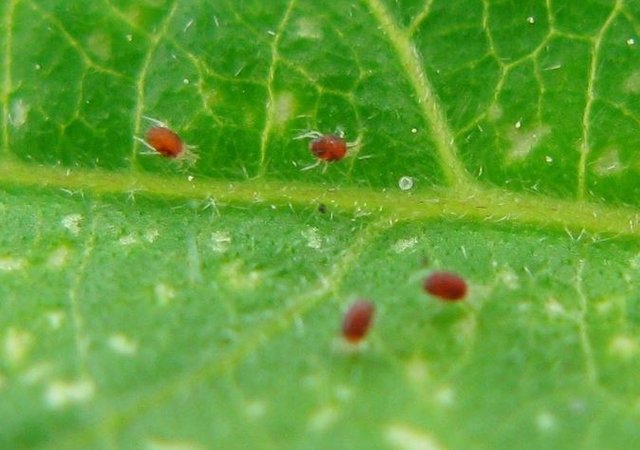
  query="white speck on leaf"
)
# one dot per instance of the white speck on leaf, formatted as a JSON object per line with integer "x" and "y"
{"x": 402, "y": 245}
{"x": 405, "y": 183}
{"x": 220, "y": 241}
{"x": 18, "y": 113}
{"x": 631, "y": 42}
{"x": 445, "y": 396}
{"x": 312, "y": 236}
{"x": 531, "y": 20}
{"x": 151, "y": 235}
{"x": 129, "y": 239}
{"x": 238, "y": 278}
{"x": 122, "y": 344}
{"x": 164, "y": 293}
{"x": 55, "y": 319}
{"x": 62, "y": 393}
{"x": 406, "y": 437}
{"x": 72, "y": 223}
{"x": 553, "y": 308}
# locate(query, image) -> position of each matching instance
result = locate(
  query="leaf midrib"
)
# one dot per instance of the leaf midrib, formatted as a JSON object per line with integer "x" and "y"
{"x": 479, "y": 204}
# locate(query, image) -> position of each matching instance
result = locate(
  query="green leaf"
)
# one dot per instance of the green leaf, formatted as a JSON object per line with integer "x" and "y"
{"x": 148, "y": 303}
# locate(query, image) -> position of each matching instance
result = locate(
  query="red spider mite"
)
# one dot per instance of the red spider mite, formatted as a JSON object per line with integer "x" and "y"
{"x": 329, "y": 148}
{"x": 357, "y": 321}
{"x": 326, "y": 147}
{"x": 446, "y": 285}
{"x": 165, "y": 141}
{"x": 161, "y": 140}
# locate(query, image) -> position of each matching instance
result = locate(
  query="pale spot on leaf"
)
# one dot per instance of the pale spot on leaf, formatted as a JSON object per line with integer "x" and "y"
{"x": 164, "y": 293}
{"x": 122, "y": 344}
{"x": 17, "y": 344}
{"x": 406, "y": 437}
{"x": 306, "y": 28}
{"x": 220, "y": 241}
{"x": 255, "y": 409}
{"x": 604, "y": 306}
{"x": 495, "y": 112}
{"x": 238, "y": 278}
{"x": 553, "y": 308}
{"x": 55, "y": 319}
{"x": 72, "y": 223}
{"x": 545, "y": 421}
{"x": 18, "y": 113}
{"x": 127, "y": 240}
{"x": 403, "y": 245}
{"x": 417, "y": 370}
{"x": 11, "y": 264}
{"x": 151, "y": 235}
{"x": 445, "y": 396}
{"x": 62, "y": 393}
{"x": 608, "y": 164}
{"x": 509, "y": 278}
{"x": 624, "y": 347}
{"x": 59, "y": 257}
{"x": 284, "y": 108}
{"x": 323, "y": 418}
{"x": 523, "y": 142}
{"x": 632, "y": 83}
{"x": 343, "y": 393}
{"x": 99, "y": 44}
{"x": 312, "y": 236}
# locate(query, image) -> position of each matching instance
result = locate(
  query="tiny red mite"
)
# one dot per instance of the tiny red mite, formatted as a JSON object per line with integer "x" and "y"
{"x": 329, "y": 147}
{"x": 165, "y": 141}
{"x": 357, "y": 321}
{"x": 446, "y": 285}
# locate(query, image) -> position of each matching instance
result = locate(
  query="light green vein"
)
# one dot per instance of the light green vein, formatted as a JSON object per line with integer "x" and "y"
{"x": 432, "y": 110}
{"x": 585, "y": 144}
{"x": 6, "y": 84}
{"x": 585, "y": 342}
{"x": 142, "y": 79}
{"x": 271, "y": 100}
{"x": 489, "y": 205}
{"x": 79, "y": 329}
